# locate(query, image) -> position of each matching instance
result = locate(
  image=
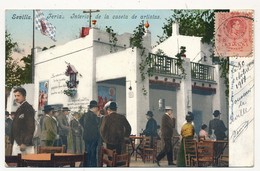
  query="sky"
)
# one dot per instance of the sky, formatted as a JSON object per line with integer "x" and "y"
{"x": 68, "y": 23}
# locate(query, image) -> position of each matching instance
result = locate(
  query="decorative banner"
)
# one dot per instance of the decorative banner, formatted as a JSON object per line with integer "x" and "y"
{"x": 105, "y": 94}
{"x": 43, "y": 95}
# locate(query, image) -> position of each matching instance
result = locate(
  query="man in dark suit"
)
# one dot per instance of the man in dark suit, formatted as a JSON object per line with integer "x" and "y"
{"x": 89, "y": 122}
{"x": 217, "y": 126}
{"x": 114, "y": 129}
{"x": 151, "y": 127}
{"x": 167, "y": 128}
{"x": 23, "y": 124}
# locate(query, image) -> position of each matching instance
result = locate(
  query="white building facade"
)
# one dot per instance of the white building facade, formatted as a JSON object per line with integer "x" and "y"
{"x": 104, "y": 71}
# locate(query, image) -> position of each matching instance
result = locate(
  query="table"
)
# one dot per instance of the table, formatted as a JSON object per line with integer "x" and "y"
{"x": 135, "y": 148}
{"x": 51, "y": 159}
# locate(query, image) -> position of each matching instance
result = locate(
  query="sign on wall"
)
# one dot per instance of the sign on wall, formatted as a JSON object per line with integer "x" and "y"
{"x": 43, "y": 94}
{"x": 105, "y": 94}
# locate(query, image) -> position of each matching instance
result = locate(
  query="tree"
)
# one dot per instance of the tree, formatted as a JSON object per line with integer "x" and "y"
{"x": 197, "y": 23}
{"x": 191, "y": 23}
{"x": 12, "y": 69}
{"x": 27, "y": 69}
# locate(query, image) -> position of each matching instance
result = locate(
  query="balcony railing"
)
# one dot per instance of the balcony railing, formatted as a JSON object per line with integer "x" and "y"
{"x": 202, "y": 72}
{"x": 163, "y": 65}
{"x": 159, "y": 64}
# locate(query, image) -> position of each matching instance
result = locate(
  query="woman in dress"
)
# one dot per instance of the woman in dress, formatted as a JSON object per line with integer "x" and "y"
{"x": 187, "y": 131}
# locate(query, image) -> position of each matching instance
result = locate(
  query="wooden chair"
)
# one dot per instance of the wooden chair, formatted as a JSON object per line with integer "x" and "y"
{"x": 51, "y": 149}
{"x": 122, "y": 160}
{"x": 201, "y": 138}
{"x": 13, "y": 161}
{"x": 190, "y": 151}
{"x": 107, "y": 157}
{"x": 149, "y": 151}
{"x": 205, "y": 153}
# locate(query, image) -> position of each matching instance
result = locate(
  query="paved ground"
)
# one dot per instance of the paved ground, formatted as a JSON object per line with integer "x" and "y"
{"x": 140, "y": 163}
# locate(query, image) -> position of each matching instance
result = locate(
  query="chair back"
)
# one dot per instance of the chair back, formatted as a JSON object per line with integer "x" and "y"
{"x": 201, "y": 138}
{"x": 190, "y": 151}
{"x": 107, "y": 157}
{"x": 122, "y": 160}
{"x": 51, "y": 149}
{"x": 13, "y": 161}
{"x": 149, "y": 149}
{"x": 205, "y": 152}
{"x": 146, "y": 143}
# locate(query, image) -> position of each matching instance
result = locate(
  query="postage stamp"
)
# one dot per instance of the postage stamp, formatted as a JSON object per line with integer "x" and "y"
{"x": 234, "y": 34}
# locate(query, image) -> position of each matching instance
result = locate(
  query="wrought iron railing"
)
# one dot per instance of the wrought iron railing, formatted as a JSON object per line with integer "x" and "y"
{"x": 163, "y": 65}
{"x": 202, "y": 72}
{"x": 159, "y": 64}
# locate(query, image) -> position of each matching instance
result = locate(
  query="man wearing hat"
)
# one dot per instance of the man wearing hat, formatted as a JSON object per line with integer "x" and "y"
{"x": 49, "y": 127}
{"x": 167, "y": 128}
{"x": 89, "y": 122}
{"x": 218, "y": 126}
{"x": 64, "y": 126}
{"x": 77, "y": 132}
{"x": 23, "y": 124}
{"x": 151, "y": 127}
{"x": 114, "y": 128}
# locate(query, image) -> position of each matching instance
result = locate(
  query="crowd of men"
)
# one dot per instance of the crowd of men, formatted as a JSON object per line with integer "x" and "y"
{"x": 94, "y": 128}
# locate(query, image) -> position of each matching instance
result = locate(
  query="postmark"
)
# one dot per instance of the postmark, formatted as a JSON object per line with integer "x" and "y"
{"x": 234, "y": 34}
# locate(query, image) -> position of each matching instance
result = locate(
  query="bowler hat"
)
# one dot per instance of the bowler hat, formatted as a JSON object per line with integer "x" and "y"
{"x": 65, "y": 109}
{"x": 93, "y": 103}
{"x": 112, "y": 106}
{"x": 149, "y": 113}
{"x": 47, "y": 108}
{"x": 189, "y": 117}
{"x": 216, "y": 113}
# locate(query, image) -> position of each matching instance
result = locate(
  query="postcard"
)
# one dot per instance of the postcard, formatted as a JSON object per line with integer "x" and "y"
{"x": 171, "y": 87}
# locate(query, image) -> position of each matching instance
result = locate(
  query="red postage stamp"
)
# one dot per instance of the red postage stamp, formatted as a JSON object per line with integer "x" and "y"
{"x": 234, "y": 34}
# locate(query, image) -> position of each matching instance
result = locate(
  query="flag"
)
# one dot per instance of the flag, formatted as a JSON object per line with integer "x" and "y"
{"x": 44, "y": 26}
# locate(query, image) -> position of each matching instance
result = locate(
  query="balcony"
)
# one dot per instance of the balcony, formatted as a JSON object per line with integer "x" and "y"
{"x": 164, "y": 65}
{"x": 202, "y": 72}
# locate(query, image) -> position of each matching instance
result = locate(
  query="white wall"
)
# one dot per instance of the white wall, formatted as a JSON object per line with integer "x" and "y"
{"x": 114, "y": 65}
{"x": 12, "y": 106}
{"x": 51, "y": 65}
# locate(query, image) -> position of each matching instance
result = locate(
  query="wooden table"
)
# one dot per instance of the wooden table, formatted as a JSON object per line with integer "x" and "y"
{"x": 51, "y": 159}
{"x": 135, "y": 148}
